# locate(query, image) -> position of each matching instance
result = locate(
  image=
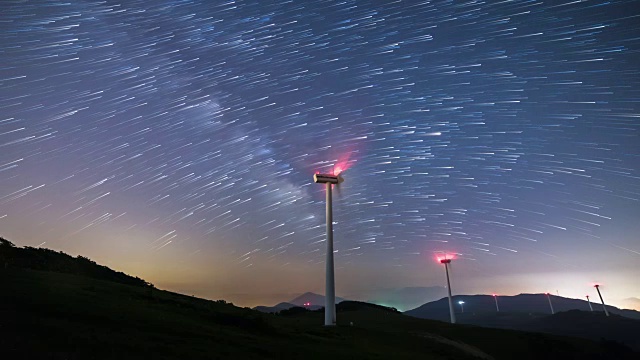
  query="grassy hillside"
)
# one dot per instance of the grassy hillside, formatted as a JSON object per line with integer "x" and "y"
{"x": 590, "y": 325}
{"x": 64, "y": 316}
{"x": 49, "y": 260}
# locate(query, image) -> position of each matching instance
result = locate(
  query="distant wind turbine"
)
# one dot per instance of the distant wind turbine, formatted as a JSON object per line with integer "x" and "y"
{"x": 452, "y": 314}
{"x": 550, "y": 305}
{"x": 597, "y": 286}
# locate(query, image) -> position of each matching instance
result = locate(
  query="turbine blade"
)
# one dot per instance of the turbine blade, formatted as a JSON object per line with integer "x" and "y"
{"x": 338, "y": 190}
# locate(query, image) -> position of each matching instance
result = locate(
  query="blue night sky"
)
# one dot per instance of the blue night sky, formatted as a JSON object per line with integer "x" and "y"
{"x": 176, "y": 141}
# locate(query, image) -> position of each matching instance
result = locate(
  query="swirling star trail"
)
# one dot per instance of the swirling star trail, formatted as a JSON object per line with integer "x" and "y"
{"x": 176, "y": 140}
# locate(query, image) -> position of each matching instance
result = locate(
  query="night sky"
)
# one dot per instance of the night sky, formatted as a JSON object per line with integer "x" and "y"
{"x": 176, "y": 141}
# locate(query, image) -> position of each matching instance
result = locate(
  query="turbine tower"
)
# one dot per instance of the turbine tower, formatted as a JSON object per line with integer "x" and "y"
{"x": 461, "y": 305}
{"x": 452, "y": 314}
{"x": 495, "y": 297}
{"x": 550, "y": 305}
{"x": 597, "y": 286}
{"x": 589, "y": 301}
{"x": 330, "y": 284}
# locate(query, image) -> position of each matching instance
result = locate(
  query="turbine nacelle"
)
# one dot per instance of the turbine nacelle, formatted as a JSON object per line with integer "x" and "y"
{"x": 327, "y": 178}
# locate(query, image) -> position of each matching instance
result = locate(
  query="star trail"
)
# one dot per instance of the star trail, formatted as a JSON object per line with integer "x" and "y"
{"x": 177, "y": 140}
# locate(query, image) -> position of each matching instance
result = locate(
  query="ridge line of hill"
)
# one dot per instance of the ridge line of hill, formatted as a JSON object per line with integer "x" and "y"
{"x": 28, "y": 257}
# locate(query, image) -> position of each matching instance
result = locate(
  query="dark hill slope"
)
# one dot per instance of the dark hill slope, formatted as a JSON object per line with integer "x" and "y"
{"x": 27, "y": 257}
{"x": 48, "y": 315}
{"x": 590, "y": 325}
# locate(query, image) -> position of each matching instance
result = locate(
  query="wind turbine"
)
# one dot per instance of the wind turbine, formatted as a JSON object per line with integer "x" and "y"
{"x": 550, "y": 305}
{"x": 461, "y": 305}
{"x": 495, "y": 297}
{"x": 597, "y": 286}
{"x": 589, "y": 301}
{"x": 330, "y": 284}
{"x": 452, "y": 314}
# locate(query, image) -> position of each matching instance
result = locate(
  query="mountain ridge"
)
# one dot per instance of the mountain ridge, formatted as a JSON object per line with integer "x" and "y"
{"x": 526, "y": 302}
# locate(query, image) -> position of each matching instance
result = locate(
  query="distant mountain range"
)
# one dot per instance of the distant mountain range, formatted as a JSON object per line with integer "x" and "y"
{"x": 531, "y": 312}
{"x": 632, "y": 303}
{"x": 276, "y": 308}
{"x": 523, "y": 303}
{"x": 309, "y": 300}
{"x": 400, "y": 298}
{"x": 404, "y": 298}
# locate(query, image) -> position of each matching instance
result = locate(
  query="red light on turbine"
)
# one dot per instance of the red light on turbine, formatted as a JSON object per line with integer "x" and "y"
{"x": 494, "y": 295}
{"x": 343, "y": 163}
{"x": 446, "y": 258}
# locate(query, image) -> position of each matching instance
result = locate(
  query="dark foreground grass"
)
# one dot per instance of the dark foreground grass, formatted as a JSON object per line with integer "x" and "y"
{"x": 47, "y": 315}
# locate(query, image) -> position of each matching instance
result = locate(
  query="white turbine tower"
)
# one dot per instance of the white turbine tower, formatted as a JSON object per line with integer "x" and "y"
{"x": 330, "y": 285}
{"x": 589, "y": 301}
{"x": 550, "y": 305}
{"x": 452, "y": 314}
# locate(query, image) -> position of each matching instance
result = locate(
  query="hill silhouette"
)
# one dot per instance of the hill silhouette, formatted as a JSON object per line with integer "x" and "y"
{"x": 343, "y": 306}
{"x": 401, "y": 298}
{"x": 57, "y": 261}
{"x": 58, "y": 315}
{"x": 531, "y": 312}
{"x": 404, "y": 298}
{"x": 308, "y": 300}
{"x": 276, "y": 308}
{"x": 311, "y": 298}
{"x": 590, "y": 325}
{"x": 523, "y": 303}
